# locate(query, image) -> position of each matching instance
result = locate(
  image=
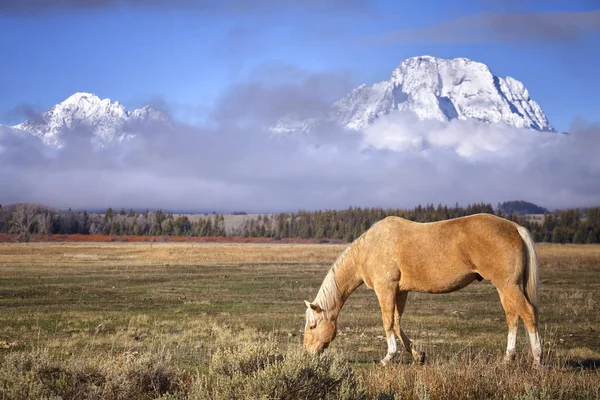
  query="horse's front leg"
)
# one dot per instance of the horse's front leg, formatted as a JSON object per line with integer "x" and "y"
{"x": 387, "y": 301}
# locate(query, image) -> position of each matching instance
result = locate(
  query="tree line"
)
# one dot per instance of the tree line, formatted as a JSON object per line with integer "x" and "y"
{"x": 27, "y": 219}
{"x": 563, "y": 226}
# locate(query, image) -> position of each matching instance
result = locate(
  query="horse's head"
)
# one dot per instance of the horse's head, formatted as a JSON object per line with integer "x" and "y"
{"x": 318, "y": 330}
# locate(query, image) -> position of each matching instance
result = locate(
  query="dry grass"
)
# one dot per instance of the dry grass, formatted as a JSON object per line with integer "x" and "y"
{"x": 108, "y": 255}
{"x": 113, "y": 312}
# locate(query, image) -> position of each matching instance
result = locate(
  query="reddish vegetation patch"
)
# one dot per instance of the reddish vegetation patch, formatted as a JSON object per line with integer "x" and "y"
{"x": 6, "y": 238}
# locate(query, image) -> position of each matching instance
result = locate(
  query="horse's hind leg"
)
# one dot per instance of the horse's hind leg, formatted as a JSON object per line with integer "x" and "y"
{"x": 418, "y": 356}
{"x": 512, "y": 320}
{"x": 387, "y": 302}
{"x": 513, "y": 296}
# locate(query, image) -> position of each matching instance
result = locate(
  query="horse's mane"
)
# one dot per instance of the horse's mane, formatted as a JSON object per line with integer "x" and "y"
{"x": 328, "y": 297}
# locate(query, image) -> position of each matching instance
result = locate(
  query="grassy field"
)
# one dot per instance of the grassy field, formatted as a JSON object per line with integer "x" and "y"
{"x": 141, "y": 320}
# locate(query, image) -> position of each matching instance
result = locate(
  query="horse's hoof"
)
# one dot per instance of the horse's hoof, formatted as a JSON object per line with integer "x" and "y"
{"x": 386, "y": 361}
{"x": 509, "y": 358}
{"x": 537, "y": 364}
{"x": 419, "y": 357}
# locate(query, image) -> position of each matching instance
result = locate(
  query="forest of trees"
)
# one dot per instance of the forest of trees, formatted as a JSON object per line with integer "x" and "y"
{"x": 25, "y": 219}
{"x": 521, "y": 207}
{"x": 564, "y": 226}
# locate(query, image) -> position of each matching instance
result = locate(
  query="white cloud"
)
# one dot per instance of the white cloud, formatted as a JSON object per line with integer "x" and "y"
{"x": 469, "y": 139}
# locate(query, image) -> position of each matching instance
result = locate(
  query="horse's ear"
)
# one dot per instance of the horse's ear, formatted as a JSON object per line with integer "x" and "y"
{"x": 313, "y": 306}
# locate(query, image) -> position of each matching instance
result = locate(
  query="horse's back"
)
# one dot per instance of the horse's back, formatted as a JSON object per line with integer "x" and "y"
{"x": 446, "y": 255}
{"x": 465, "y": 231}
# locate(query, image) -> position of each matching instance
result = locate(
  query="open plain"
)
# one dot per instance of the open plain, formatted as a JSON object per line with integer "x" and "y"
{"x": 145, "y": 320}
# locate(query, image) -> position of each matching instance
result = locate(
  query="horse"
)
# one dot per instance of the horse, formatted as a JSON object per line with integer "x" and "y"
{"x": 396, "y": 256}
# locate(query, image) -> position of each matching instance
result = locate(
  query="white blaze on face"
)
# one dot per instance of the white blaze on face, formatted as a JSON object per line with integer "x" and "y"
{"x": 310, "y": 318}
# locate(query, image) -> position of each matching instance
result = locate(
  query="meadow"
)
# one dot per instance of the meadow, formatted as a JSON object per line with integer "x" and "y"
{"x": 225, "y": 320}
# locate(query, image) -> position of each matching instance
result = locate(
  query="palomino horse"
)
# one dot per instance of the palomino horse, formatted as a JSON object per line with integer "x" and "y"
{"x": 396, "y": 256}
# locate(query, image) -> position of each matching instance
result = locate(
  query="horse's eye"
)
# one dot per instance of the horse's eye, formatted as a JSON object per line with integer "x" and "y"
{"x": 313, "y": 326}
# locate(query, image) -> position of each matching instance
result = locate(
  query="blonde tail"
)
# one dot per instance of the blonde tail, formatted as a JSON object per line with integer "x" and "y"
{"x": 530, "y": 274}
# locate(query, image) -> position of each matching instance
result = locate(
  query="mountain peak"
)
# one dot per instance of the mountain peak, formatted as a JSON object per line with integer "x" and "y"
{"x": 106, "y": 120}
{"x": 429, "y": 64}
{"x": 76, "y": 97}
{"x": 441, "y": 89}
{"x": 82, "y": 100}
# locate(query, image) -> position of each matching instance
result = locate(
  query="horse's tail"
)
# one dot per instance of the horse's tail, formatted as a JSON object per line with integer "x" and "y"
{"x": 531, "y": 277}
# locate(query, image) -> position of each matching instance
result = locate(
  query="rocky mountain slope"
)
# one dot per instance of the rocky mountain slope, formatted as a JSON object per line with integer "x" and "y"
{"x": 106, "y": 121}
{"x": 439, "y": 89}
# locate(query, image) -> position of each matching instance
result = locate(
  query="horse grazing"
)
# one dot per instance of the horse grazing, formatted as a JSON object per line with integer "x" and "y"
{"x": 396, "y": 256}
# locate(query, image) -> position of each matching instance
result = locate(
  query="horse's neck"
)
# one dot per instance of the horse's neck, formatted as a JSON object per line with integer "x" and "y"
{"x": 341, "y": 280}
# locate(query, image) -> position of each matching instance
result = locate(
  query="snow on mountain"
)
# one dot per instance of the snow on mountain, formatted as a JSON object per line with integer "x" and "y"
{"x": 108, "y": 122}
{"x": 438, "y": 89}
{"x": 292, "y": 123}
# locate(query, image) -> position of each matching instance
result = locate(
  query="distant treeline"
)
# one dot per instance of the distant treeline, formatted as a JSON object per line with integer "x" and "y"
{"x": 521, "y": 207}
{"x": 25, "y": 219}
{"x": 565, "y": 226}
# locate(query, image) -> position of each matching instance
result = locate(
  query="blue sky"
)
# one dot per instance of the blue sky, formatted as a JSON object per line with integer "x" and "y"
{"x": 189, "y": 53}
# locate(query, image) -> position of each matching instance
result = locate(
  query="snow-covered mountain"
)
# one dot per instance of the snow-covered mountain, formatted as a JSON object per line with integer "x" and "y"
{"x": 439, "y": 89}
{"x": 429, "y": 87}
{"x": 107, "y": 121}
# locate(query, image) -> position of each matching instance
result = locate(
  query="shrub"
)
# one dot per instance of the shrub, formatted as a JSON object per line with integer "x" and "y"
{"x": 244, "y": 360}
{"x": 31, "y": 376}
{"x": 256, "y": 371}
{"x": 35, "y": 375}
